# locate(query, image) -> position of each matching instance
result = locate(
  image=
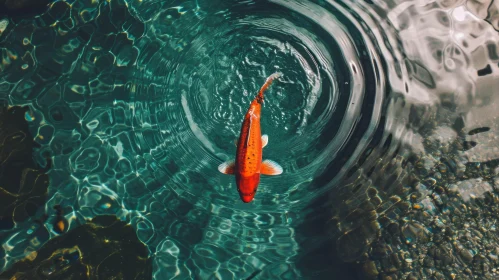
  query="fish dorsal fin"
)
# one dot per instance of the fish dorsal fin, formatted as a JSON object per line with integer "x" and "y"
{"x": 265, "y": 140}
{"x": 249, "y": 132}
{"x": 270, "y": 167}
{"x": 227, "y": 167}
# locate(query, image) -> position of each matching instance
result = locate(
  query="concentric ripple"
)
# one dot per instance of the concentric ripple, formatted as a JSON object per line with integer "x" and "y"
{"x": 138, "y": 102}
{"x": 310, "y": 114}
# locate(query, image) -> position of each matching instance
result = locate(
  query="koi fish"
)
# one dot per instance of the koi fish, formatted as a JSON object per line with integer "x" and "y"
{"x": 248, "y": 165}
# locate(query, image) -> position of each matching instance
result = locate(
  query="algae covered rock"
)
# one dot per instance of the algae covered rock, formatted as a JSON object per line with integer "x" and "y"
{"x": 23, "y": 184}
{"x": 105, "y": 248}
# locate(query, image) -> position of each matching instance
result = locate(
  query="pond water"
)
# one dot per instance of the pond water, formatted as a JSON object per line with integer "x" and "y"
{"x": 384, "y": 122}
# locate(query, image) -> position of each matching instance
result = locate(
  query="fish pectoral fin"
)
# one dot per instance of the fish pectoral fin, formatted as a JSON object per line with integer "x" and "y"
{"x": 227, "y": 167}
{"x": 270, "y": 167}
{"x": 265, "y": 140}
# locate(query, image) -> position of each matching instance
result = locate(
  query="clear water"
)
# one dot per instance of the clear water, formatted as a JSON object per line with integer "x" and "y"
{"x": 137, "y": 103}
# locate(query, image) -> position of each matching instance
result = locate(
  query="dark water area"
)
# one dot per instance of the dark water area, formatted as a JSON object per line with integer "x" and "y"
{"x": 114, "y": 116}
{"x": 17, "y": 9}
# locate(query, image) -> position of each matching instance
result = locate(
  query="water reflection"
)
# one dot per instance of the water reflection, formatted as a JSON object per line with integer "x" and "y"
{"x": 384, "y": 123}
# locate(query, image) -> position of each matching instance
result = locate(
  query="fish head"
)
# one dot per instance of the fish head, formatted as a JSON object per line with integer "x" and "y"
{"x": 247, "y": 186}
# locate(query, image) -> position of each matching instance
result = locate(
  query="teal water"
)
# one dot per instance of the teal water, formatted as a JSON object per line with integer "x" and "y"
{"x": 136, "y": 103}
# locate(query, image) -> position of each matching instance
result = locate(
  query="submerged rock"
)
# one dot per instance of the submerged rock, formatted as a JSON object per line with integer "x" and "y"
{"x": 449, "y": 232}
{"x": 415, "y": 233}
{"x": 23, "y": 184}
{"x": 105, "y": 248}
{"x": 369, "y": 270}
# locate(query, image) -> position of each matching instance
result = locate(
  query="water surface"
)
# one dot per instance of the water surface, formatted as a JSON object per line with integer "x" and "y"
{"x": 138, "y": 102}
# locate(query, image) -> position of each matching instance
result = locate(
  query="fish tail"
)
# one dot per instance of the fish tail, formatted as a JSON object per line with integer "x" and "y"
{"x": 268, "y": 82}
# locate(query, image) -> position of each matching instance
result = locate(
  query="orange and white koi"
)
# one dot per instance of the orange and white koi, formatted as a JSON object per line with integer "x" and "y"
{"x": 248, "y": 165}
